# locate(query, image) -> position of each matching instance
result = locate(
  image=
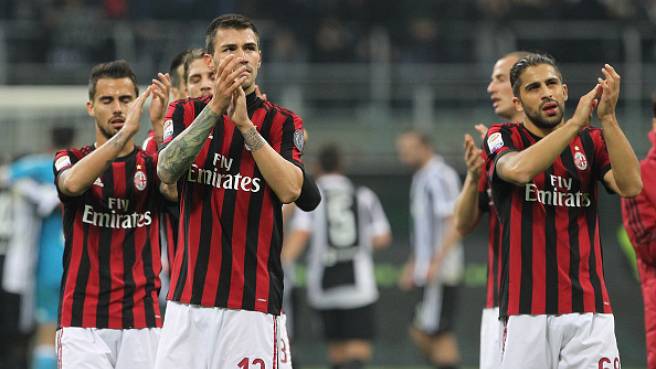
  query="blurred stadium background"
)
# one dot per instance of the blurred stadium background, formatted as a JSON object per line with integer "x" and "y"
{"x": 358, "y": 72}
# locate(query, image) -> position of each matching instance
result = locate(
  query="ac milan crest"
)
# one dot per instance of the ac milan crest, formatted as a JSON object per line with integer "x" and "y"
{"x": 580, "y": 161}
{"x": 140, "y": 181}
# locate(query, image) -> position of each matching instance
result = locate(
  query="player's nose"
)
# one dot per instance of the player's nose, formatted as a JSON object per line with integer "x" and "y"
{"x": 490, "y": 87}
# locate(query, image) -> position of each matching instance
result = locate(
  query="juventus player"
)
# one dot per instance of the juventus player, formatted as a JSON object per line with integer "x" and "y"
{"x": 474, "y": 199}
{"x": 543, "y": 174}
{"x": 436, "y": 261}
{"x": 344, "y": 230}
{"x": 237, "y": 159}
{"x": 109, "y": 316}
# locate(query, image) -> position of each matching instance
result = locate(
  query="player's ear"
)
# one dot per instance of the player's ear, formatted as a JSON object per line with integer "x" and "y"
{"x": 90, "y": 110}
{"x": 565, "y": 91}
{"x": 518, "y": 104}
{"x": 259, "y": 61}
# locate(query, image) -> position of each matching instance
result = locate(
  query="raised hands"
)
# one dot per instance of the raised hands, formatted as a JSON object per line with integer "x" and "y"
{"x": 610, "y": 86}
{"x": 473, "y": 157}
{"x": 237, "y": 110}
{"x": 228, "y": 80}
{"x": 587, "y": 103}
{"x": 133, "y": 117}
{"x": 161, "y": 88}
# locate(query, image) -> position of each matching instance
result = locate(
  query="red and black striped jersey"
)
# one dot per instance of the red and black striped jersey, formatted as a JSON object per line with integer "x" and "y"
{"x": 111, "y": 256}
{"x": 230, "y": 219}
{"x": 168, "y": 216}
{"x": 551, "y": 257}
{"x": 486, "y": 204}
{"x": 639, "y": 212}
{"x": 150, "y": 143}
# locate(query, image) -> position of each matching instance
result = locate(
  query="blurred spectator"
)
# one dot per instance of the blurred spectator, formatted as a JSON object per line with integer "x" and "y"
{"x": 13, "y": 340}
{"x": 39, "y": 263}
{"x": 333, "y": 42}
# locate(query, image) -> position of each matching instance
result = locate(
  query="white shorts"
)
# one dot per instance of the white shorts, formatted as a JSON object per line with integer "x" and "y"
{"x": 91, "y": 348}
{"x": 491, "y": 328}
{"x": 568, "y": 341}
{"x": 284, "y": 351}
{"x": 217, "y": 338}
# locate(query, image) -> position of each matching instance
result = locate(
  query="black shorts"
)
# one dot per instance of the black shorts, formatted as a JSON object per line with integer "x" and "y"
{"x": 435, "y": 312}
{"x": 347, "y": 324}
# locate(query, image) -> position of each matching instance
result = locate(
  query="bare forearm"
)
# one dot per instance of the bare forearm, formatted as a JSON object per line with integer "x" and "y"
{"x": 158, "y": 130}
{"x": 80, "y": 176}
{"x": 177, "y": 157}
{"x": 284, "y": 178}
{"x": 466, "y": 212}
{"x": 521, "y": 167}
{"x": 623, "y": 160}
{"x": 449, "y": 242}
{"x": 294, "y": 246}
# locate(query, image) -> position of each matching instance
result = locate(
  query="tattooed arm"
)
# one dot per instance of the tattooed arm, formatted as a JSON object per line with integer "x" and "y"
{"x": 178, "y": 155}
{"x": 78, "y": 178}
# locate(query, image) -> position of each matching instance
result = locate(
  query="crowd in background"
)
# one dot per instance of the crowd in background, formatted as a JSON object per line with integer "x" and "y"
{"x": 316, "y": 31}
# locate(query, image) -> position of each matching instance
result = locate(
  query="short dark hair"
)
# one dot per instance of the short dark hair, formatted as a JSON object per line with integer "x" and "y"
{"x": 178, "y": 60}
{"x": 115, "y": 69}
{"x": 192, "y": 55}
{"x": 330, "y": 158}
{"x": 531, "y": 60}
{"x": 235, "y": 21}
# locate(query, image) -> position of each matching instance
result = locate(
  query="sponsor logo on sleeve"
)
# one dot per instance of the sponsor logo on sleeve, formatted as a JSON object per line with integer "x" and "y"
{"x": 168, "y": 130}
{"x": 495, "y": 142}
{"x": 299, "y": 139}
{"x": 62, "y": 163}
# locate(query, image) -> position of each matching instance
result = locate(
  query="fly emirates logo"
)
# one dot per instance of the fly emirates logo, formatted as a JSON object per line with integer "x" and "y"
{"x": 116, "y": 220}
{"x": 561, "y": 194}
{"x": 218, "y": 178}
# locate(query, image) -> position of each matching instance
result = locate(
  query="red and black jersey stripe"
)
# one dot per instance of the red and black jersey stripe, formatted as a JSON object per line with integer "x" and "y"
{"x": 551, "y": 257}
{"x": 486, "y": 204}
{"x": 639, "y": 212}
{"x": 230, "y": 219}
{"x": 112, "y": 257}
{"x": 169, "y": 216}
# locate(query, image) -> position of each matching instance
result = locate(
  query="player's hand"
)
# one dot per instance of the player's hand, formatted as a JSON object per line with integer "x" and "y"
{"x": 587, "y": 103}
{"x": 237, "y": 110}
{"x": 133, "y": 117}
{"x": 473, "y": 157}
{"x": 259, "y": 93}
{"x": 227, "y": 80}
{"x": 406, "y": 279}
{"x": 161, "y": 88}
{"x": 610, "y": 86}
{"x": 432, "y": 273}
{"x": 481, "y": 129}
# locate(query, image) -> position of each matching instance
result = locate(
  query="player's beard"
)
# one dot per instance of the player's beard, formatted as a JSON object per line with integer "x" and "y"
{"x": 105, "y": 131}
{"x": 537, "y": 117}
